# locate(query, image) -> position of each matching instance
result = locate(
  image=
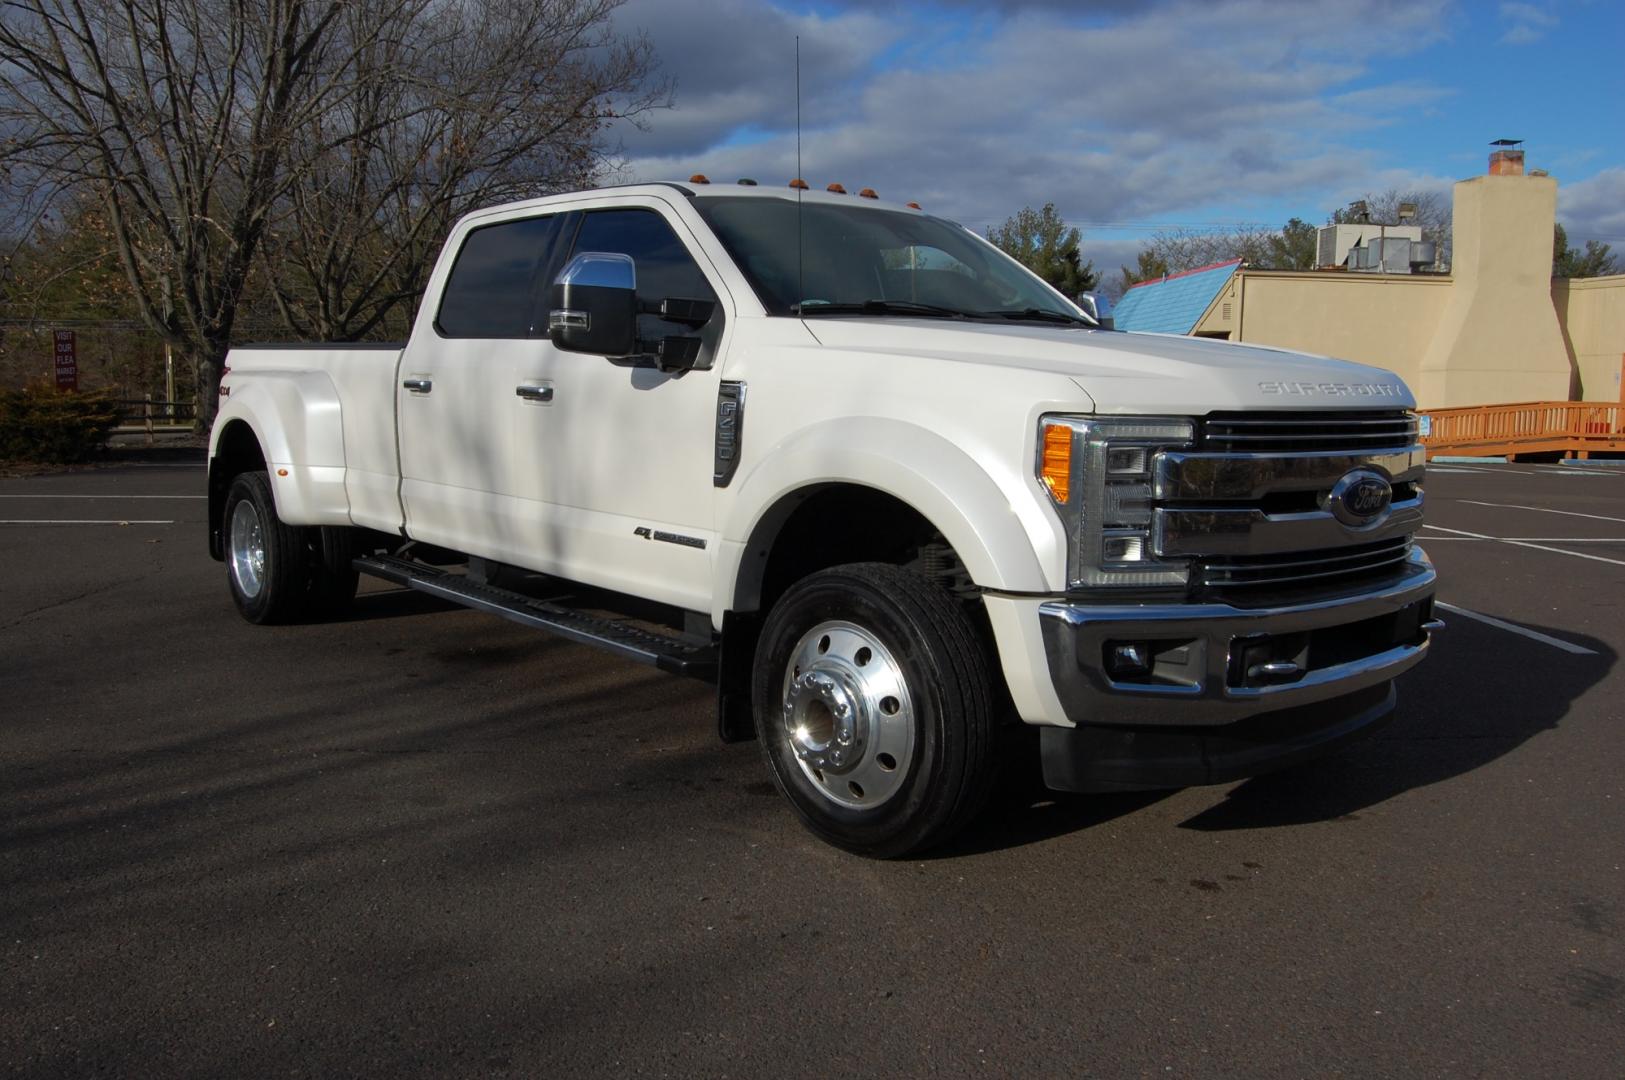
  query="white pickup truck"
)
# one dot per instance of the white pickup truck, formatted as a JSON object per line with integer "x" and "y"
{"x": 889, "y": 490}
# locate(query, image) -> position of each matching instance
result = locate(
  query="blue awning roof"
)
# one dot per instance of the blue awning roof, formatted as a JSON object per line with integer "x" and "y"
{"x": 1174, "y": 304}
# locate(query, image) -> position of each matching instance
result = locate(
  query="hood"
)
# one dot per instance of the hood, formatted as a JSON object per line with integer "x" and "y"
{"x": 1131, "y": 373}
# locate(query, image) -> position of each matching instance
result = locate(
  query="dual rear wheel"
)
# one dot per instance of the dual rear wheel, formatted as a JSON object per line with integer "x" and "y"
{"x": 280, "y": 572}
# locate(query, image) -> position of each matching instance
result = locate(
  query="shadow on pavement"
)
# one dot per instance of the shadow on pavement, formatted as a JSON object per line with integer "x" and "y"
{"x": 1481, "y": 695}
{"x": 1456, "y": 713}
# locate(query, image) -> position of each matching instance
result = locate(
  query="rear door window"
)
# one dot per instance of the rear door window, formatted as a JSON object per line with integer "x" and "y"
{"x": 491, "y": 292}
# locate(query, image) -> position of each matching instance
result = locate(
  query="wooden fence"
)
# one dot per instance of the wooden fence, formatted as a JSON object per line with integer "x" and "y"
{"x": 1575, "y": 428}
{"x": 145, "y": 415}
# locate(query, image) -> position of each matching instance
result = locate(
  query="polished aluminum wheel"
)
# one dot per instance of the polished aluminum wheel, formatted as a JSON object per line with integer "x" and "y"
{"x": 247, "y": 549}
{"x": 849, "y": 715}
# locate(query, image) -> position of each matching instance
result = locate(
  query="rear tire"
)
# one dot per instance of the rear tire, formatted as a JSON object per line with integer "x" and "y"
{"x": 334, "y": 578}
{"x": 266, "y": 560}
{"x": 873, "y": 699}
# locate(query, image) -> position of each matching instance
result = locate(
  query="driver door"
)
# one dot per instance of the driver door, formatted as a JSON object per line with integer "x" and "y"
{"x": 612, "y": 472}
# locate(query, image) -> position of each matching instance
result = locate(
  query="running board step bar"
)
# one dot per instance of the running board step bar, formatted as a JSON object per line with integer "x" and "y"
{"x": 634, "y": 643}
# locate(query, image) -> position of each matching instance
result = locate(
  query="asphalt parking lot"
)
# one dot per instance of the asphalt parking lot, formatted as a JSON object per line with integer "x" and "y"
{"x": 425, "y": 841}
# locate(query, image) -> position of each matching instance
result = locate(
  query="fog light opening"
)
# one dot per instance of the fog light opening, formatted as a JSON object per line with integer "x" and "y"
{"x": 1128, "y": 659}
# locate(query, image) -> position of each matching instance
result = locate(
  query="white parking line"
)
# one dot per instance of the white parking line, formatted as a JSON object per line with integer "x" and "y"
{"x": 84, "y": 521}
{"x": 1527, "y": 544}
{"x": 103, "y": 496}
{"x": 1542, "y": 510}
{"x": 1550, "y": 470}
{"x": 1528, "y": 539}
{"x": 1522, "y": 631}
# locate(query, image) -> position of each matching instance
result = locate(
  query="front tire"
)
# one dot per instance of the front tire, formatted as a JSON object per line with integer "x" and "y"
{"x": 873, "y": 697}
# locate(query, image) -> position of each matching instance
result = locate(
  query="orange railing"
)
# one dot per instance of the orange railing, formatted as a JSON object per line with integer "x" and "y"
{"x": 1535, "y": 427}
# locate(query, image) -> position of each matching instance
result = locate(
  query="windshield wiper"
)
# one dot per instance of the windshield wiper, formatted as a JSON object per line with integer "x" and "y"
{"x": 1042, "y": 315}
{"x": 884, "y": 307}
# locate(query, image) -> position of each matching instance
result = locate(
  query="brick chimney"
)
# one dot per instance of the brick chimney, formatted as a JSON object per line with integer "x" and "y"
{"x": 1507, "y": 157}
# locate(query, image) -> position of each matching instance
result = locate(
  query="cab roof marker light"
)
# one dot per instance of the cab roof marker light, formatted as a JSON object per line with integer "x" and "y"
{"x": 699, "y": 178}
{"x": 799, "y": 184}
{"x": 912, "y": 205}
{"x": 745, "y": 181}
{"x": 868, "y": 193}
{"x": 838, "y": 189}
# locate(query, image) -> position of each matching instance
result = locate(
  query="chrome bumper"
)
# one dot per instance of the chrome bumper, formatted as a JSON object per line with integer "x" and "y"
{"x": 1210, "y": 659}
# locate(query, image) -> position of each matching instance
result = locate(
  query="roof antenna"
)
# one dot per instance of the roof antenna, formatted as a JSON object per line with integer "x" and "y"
{"x": 801, "y": 276}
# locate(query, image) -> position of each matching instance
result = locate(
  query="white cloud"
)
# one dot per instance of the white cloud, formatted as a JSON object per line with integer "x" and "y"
{"x": 1188, "y": 112}
{"x": 1528, "y": 23}
{"x": 1190, "y": 105}
{"x": 1594, "y": 209}
{"x": 733, "y": 65}
{"x": 1533, "y": 14}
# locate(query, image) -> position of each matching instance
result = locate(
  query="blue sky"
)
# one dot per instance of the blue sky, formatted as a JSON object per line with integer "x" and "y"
{"x": 1130, "y": 116}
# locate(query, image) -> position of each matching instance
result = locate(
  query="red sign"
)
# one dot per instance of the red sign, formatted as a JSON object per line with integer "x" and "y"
{"x": 67, "y": 361}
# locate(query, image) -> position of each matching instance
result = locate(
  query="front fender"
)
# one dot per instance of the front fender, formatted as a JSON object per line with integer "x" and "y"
{"x": 909, "y": 462}
{"x": 297, "y": 419}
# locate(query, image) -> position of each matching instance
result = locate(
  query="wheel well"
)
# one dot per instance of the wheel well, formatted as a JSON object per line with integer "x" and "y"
{"x": 831, "y": 524}
{"x": 814, "y": 529}
{"x": 236, "y": 452}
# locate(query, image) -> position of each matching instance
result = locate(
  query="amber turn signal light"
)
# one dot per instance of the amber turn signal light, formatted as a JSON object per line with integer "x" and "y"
{"x": 1056, "y": 470}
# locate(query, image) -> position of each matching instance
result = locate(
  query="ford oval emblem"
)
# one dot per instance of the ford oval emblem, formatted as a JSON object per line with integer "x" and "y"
{"x": 1361, "y": 498}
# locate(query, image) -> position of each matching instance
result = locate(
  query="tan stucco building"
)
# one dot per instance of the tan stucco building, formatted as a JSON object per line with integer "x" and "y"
{"x": 1497, "y": 328}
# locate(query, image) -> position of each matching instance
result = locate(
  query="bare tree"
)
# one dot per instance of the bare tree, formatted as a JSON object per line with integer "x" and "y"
{"x": 177, "y": 114}
{"x": 1186, "y": 249}
{"x": 353, "y": 127}
{"x": 456, "y": 105}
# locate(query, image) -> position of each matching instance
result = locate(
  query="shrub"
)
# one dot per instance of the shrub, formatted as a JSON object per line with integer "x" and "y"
{"x": 40, "y": 423}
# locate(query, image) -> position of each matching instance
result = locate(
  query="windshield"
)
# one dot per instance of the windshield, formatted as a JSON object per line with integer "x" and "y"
{"x": 868, "y": 261}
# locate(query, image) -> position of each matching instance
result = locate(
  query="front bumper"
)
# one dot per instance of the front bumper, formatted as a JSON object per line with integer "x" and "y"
{"x": 1207, "y": 678}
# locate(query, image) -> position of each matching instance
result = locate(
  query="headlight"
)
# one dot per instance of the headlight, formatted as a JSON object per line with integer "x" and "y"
{"x": 1098, "y": 474}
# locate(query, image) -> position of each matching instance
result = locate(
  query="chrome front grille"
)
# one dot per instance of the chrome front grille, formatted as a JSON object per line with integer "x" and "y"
{"x": 1326, "y": 567}
{"x": 1254, "y": 503}
{"x": 1306, "y": 433}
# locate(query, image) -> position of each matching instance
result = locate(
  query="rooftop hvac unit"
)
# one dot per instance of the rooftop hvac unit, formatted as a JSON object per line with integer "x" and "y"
{"x": 1326, "y": 246}
{"x": 1335, "y": 244}
{"x": 1390, "y": 255}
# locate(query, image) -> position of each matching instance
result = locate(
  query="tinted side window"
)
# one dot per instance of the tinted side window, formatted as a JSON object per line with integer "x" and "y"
{"x": 665, "y": 268}
{"x": 490, "y": 293}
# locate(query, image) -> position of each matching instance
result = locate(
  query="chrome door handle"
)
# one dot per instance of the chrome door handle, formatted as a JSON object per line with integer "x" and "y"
{"x": 418, "y": 386}
{"x": 534, "y": 393}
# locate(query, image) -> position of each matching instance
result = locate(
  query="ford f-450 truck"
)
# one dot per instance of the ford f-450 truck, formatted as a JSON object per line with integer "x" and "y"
{"x": 887, "y": 488}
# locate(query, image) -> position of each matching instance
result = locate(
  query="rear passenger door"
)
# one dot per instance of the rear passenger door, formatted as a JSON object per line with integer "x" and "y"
{"x": 456, "y": 402}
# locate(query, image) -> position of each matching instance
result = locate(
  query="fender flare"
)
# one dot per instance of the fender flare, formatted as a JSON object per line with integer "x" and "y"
{"x": 912, "y": 464}
{"x": 297, "y": 420}
{"x": 295, "y": 415}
